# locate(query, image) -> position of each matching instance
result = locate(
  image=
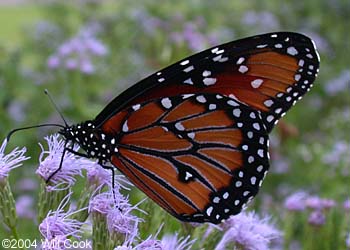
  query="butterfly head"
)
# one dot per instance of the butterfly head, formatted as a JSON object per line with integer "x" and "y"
{"x": 93, "y": 141}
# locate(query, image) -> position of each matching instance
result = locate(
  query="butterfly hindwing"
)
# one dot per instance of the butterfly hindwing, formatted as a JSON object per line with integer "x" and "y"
{"x": 201, "y": 157}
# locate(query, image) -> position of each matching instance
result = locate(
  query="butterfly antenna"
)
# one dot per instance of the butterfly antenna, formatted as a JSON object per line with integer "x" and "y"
{"x": 30, "y": 127}
{"x": 56, "y": 107}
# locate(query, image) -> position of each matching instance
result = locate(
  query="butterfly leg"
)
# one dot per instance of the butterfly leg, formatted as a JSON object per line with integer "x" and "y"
{"x": 61, "y": 162}
{"x": 113, "y": 173}
{"x": 69, "y": 149}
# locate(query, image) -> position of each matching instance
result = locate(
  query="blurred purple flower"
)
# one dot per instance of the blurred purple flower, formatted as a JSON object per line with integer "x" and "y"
{"x": 195, "y": 40}
{"x": 16, "y": 110}
{"x": 318, "y": 203}
{"x": 58, "y": 223}
{"x": 53, "y": 62}
{"x": 317, "y": 218}
{"x": 27, "y": 184}
{"x": 24, "y": 207}
{"x": 296, "y": 201}
{"x": 338, "y": 153}
{"x": 79, "y": 52}
{"x": 248, "y": 231}
{"x": 50, "y": 161}
{"x": 87, "y": 67}
{"x": 261, "y": 21}
{"x": 150, "y": 24}
{"x": 314, "y": 202}
{"x": 347, "y": 240}
{"x": 328, "y": 203}
{"x": 339, "y": 84}
{"x": 11, "y": 160}
{"x": 71, "y": 63}
{"x": 346, "y": 204}
{"x": 173, "y": 242}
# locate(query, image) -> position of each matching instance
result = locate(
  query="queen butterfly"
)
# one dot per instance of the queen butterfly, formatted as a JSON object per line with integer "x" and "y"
{"x": 194, "y": 136}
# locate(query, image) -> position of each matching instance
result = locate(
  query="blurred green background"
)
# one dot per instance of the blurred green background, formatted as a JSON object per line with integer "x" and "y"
{"x": 86, "y": 52}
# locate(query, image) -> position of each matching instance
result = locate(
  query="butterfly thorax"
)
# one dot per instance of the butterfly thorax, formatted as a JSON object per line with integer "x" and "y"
{"x": 93, "y": 141}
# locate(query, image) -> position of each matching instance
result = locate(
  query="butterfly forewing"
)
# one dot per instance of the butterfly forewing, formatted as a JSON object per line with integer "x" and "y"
{"x": 268, "y": 72}
{"x": 202, "y": 157}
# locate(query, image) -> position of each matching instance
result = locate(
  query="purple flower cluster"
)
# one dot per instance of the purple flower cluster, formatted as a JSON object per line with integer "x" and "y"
{"x": 78, "y": 53}
{"x": 339, "y": 153}
{"x": 261, "y": 21}
{"x": 24, "y": 207}
{"x": 118, "y": 212}
{"x": 296, "y": 201}
{"x": 249, "y": 231}
{"x": 49, "y": 161}
{"x": 58, "y": 225}
{"x": 300, "y": 201}
{"x": 181, "y": 32}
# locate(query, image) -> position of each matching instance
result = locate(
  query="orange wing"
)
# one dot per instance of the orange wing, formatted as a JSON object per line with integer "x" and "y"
{"x": 201, "y": 157}
{"x": 268, "y": 72}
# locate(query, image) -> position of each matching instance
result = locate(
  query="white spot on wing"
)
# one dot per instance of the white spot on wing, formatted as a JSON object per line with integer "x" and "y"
{"x": 243, "y": 69}
{"x": 292, "y": 51}
{"x": 201, "y": 99}
{"x": 179, "y": 126}
{"x": 189, "y": 81}
{"x": 188, "y": 69}
{"x": 166, "y": 102}
{"x": 256, "y": 83}
{"x": 125, "y": 127}
{"x": 240, "y": 60}
{"x": 209, "y": 81}
{"x": 136, "y": 107}
{"x": 185, "y": 62}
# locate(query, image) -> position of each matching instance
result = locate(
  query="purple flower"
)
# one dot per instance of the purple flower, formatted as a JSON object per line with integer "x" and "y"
{"x": 314, "y": 202}
{"x": 262, "y": 21}
{"x": 346, "y": 204}
{"x": 97, "y": 175}
{"x": 53, "y": 62}
{"x": 102, "y": 203}
{"x": 87, "y": 67}
{"x": 71, "y": 63}
{"x": 173, "y": 242}
{"x": 347, "y": 241}
{"x": 96, "y": 47}
{"x": 328, "y": 203}
{"x": 296, "y": 201}
{"x": 317, "y": 218}
{"x": 79, "y": 52}
{"x": 27, "y": 184}
{"x": 58, "y": 223}
{"x": 24, "y": 207}
{"x": 50, "y": 161}
{"x": 149, "y": 244}
{"x": 248, "y": 231}
{"x": 318, "y": 203}
{"x": 122, "y": 222}
{"x": 11, "y": 160}
{"x": 195, "y": 40}
{"x": 338, "y": 84}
